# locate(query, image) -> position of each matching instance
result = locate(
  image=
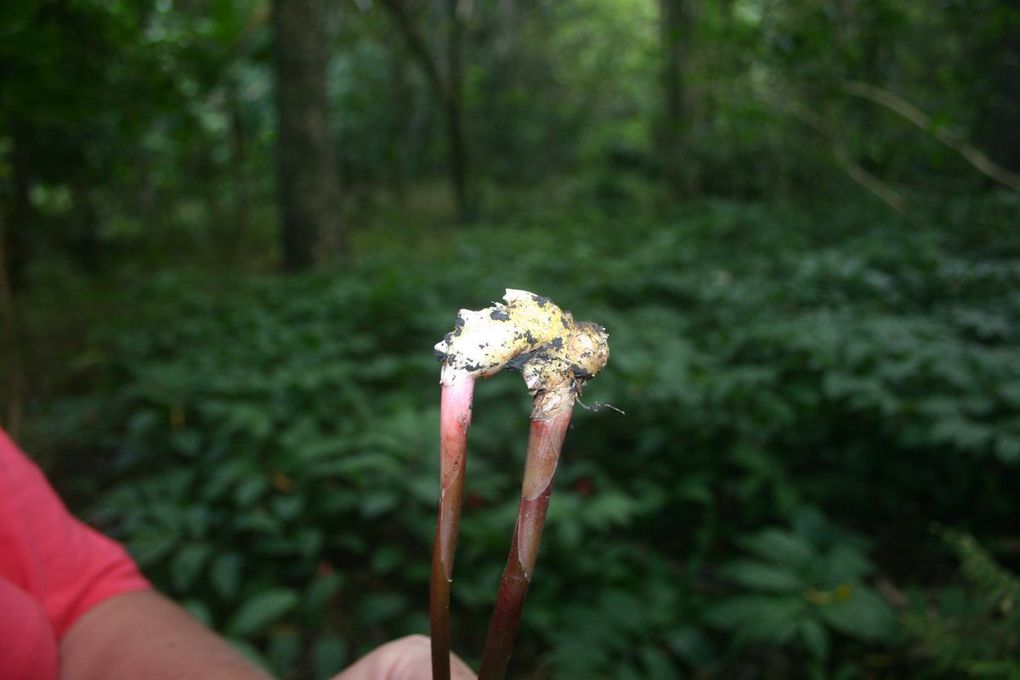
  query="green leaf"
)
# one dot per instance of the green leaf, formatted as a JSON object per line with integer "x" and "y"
{"x": 308, "y": 541}
{"x": 261, "y": 610}
{"x": 329, "y": 656}
{"x": 780, "y": 547}
{"x": 377, "y": 504}
{"x": 353, "y": 466}
{"x": 225, "y": 574}
{"x": 695, "y": 489}
{"x": 222, "y": 477}
{"x": 186, "y": 565}
{"x": 249, "y": 491}
{"x": 14, "y": 14}
{"x": 845, "y": 564}
{"x": 259, "y": 522}
{"x": 759, "y": 618}
{"x": 1007, "y": 448}
{"x": 250, "y": 652}
{"x": 656, "y": 665}
{"x": 387, "y": 558}
{"x": 863, "y": 614}
{"x": 763, "y": 577}
{"x": 1005, "y": 668}
{"x": 377, "y": 608}
{"x": 287, "y": 507}
{"x": 815, "y": 638}
{"x": 148, "y": 549}
{"x": 692, "y": 645}
{"x": 319, "y": 593}
{"x": 609, "y": 509}
{"x": 284, "y": 651}
{"x": 199, "y": 610}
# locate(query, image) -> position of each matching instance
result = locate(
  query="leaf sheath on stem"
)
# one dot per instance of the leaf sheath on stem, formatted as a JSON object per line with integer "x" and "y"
{"x": 544, "y": 443}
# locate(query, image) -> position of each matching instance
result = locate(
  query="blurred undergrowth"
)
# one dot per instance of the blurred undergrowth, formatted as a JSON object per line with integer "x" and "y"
{"x": 971, "y": 627}
{"x": 806, "y": 390}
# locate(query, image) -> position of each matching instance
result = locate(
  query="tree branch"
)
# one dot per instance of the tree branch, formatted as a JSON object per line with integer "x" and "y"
{"x": 977, "y": 158}
{"x": 416, "y": 43}
{"x": 856, "y": 172}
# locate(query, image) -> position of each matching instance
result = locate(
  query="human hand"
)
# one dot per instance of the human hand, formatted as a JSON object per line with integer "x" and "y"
{"x": 408, "y": 658}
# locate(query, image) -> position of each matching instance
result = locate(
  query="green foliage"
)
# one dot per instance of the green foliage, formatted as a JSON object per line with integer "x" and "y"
{"x": 272, "y": 443}
{"x": 156, "y": 132}
{"x": 973, "y": 627}
{"x": 276, "y": 466}
{"x": 799, "y": 587}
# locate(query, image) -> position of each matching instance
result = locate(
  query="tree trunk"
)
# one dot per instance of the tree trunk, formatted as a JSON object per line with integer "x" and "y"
{"x": 83, "y": 240}
{"x": 22, "y": 213}
{"x": 10, "y": 344}
{"x": 447, "y": 88}
{"x": 1002, "y": 114}
{"x": 454, "y": 109}
{"x": 239, "y": 171}
{"x": 306, "y": 168}
{"x": 401, "y": 101}
{"x": 676, "y": 24}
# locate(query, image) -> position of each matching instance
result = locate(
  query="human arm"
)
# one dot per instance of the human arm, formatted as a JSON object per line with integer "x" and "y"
{"x": 143, "y": 635}
{"x": 98, "y": 612}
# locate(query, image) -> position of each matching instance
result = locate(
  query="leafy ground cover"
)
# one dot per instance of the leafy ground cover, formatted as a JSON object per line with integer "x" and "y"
{"x": 805, "y": 391}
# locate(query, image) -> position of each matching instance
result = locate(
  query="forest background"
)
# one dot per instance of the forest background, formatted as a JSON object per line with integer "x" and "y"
{"x": 232, "y": 230}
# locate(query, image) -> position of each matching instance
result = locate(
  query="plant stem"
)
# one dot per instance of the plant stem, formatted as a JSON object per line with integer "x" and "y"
{"x": 454, "y": 419}
{"x": 544, "y": 443}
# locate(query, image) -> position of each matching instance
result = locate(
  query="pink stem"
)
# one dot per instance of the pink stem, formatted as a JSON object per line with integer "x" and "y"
{"x": 454, "y": 419}
{"x": 544, "y": 443}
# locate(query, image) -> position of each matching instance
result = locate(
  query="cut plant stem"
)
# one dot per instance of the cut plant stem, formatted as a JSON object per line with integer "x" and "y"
{"x": 556, "y": 356}
{"x": 454, "y": 419}
{"x": 544, "y": 443}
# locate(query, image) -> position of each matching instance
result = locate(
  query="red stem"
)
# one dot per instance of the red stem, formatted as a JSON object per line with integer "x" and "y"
{"x": 544, "y": 443}
{"x": 454, "y": 419}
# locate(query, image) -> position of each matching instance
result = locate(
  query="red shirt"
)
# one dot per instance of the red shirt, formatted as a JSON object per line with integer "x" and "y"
{"x": 53, "y": 569}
